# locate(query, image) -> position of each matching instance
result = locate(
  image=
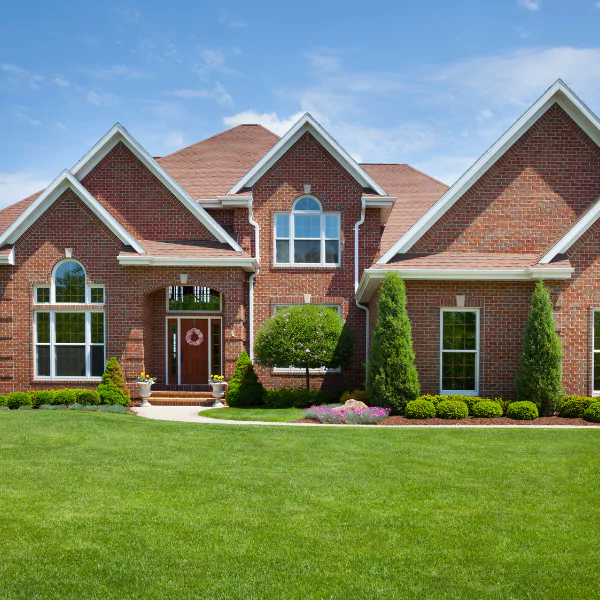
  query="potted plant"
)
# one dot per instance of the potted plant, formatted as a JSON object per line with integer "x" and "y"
{"x": 218, "y": 385}
{"x": 145, "y": 382}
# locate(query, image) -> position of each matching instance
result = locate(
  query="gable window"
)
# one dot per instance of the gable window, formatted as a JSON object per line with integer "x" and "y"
{"x": 459, "y": 351}
{"x": 307, "y": 235}
{"x": 193, "y": 298}
{"x": 69, "y": 343}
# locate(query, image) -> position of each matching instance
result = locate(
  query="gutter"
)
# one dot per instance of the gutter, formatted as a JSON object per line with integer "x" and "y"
{"x": 356, "y": 280}
{"x": 252, "y": 278}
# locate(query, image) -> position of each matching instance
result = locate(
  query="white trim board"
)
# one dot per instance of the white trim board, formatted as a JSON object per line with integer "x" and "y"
{"x": 247, "y": 263}
{"x": 371, "y": 278}
{"x": 64, "y": 181}
{"x": 304, "y": 124}
{"x": 558, "y": 93}
{"x": 8, "y": 259}
{"x": 117, "y": 134}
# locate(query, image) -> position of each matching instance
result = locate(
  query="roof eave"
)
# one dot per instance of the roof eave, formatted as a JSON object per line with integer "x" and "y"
{"x": 249, "y": 264}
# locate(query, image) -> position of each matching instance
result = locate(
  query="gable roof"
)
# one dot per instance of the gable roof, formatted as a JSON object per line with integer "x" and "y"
{"x": 304, "y": 124}
{"x": 208, "y": 169}
{"x": 45, "y": 199}
{"x": 10, "y": 213}
{"x": 117, "y": 134}
{"x": 558, "y": 93}
{"x": 414, "y": 191}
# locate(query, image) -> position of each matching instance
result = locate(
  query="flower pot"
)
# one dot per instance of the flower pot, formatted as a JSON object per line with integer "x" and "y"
{"x": 218, "y": 391}
{"x": 145, "y": 392}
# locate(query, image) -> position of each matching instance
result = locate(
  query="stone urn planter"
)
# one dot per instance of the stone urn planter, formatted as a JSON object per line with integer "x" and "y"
{"x": 218, "y": 392}
{"x": 145, "y": 383}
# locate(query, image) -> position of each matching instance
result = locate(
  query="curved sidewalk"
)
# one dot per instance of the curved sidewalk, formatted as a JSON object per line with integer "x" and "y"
{"x": 189, "y": 414}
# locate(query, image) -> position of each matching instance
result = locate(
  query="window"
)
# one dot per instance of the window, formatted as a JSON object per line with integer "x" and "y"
{"x": 69, "y": 344}
{"x": 193, "y": 298}
{"x": 459, "y": 349}
{"x": 307, "y": 235}
{"x": 292, "y": 369}
{"x": 596, "y": 353}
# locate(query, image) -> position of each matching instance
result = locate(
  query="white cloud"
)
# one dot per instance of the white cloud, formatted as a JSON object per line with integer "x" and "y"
{"x": 213, "y": 60}
{"x": 174, "y": 140}
{"x": 18, "y": 185}
{"x": 523, "y": 33}
{"x": 61, "y": 125}
{"x": 61, "y": 81}
{"x": 169, "y": 110}
{"x": 118, "y": 71}
{"x": 324, "y": 63}
{"x": 225, "y": 18}
{"x": 219, "y": 93}
{"x": 101, "y": 98}
{"x": 129, "y": 15}
{"x": 484, "y": 114}
{"x": 271, "y": 121}
{"x": 532, "y": 5}
{"x": 25, "y": 119}
{"x": 89, "y": 39}
{"x": 19, "y": 76}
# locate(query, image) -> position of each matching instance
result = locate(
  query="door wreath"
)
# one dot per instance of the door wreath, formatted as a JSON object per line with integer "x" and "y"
{"x": 199, "y": 337}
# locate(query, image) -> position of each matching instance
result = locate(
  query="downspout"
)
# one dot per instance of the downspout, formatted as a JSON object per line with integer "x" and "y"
{"x": 356, "y": 278}
{"x": 252, "y": 278}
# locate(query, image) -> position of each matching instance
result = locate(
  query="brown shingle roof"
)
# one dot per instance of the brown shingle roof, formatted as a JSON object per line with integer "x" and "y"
{"x": 415, "y": 193}
{"x": 12, "y": 212}
{"x": 211, "y": 167}
{"x": 185, "y": 249}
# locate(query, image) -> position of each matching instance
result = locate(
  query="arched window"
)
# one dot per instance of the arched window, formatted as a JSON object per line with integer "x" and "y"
{"x": 307, "y": 235}
{"x": 69, "y": 342}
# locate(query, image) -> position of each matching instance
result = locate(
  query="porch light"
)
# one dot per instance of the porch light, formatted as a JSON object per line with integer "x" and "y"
{"x": 183, "y": 278}
{"x": 68, "y": 252}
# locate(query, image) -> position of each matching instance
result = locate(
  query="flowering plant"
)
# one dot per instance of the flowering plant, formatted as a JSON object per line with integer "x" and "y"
{"x": 365, "y": 416}
{"x": 217, "y": 379}
{"x": 145, "y": 378}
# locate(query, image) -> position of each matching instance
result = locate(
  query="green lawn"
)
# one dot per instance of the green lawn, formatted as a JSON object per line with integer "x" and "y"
{"x": 279, "y": 415}
{"x": 118, "y": 507}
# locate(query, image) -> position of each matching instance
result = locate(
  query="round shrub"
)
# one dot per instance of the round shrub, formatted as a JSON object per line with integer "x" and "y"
{"x": 3, "y": 400}
{"x": 487, "y": 410}
{"x": 111, "y": 394}
{"x": 573, "y": 407}
{"x": 522, "y": 411}
{"x": 42, "y": 397}
{"x": 89, "y": 398}
{"x": 593, "y": 413}
{"x": 431, "y": 398}
{"x": 18, "y": 399}
{"x": 66, "y": 396}
{"x": 419, "y": 409}
{"x": 452, "y": 409}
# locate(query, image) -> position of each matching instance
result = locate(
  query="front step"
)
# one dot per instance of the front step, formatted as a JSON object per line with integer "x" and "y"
{"x": 176, "y": 394}
{"x": 175, "y": 398}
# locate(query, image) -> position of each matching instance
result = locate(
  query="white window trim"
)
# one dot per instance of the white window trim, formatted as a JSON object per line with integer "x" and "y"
{"x": 52, "y": 344}
{"x": 42, "y": 287}
{"x": 192, "y": 312}
{"x": 295, "y": 370}
{"x": 291, "y": 237}
{"x": 594, "y": 351}
{"x": 87, "y": 294}
{"x": 477, "y": 351}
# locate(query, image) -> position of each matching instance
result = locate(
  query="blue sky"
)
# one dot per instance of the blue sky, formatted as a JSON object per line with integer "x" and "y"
{"x": 432, "y": 83}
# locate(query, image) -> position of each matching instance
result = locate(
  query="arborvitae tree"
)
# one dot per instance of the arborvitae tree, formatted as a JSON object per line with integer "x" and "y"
{"x": 392, "y": 377}
{"x": 113, "y": 390}
{"x": 540, "y": 379}
{"x": 244, "y": 388}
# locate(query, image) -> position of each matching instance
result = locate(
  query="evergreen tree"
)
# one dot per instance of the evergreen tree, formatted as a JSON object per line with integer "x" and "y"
{"x": 540, "y": 379}
{"x": 244, "y": 388}
{"x": 113, "y": 390}
{"x": 392, "y": 377}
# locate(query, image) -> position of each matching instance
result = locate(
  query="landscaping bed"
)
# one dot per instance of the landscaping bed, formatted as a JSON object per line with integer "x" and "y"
{"x": 542, "y": 421}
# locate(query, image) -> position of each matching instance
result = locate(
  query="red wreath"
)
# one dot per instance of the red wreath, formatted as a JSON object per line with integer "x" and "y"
{"x": 199, "y": 337}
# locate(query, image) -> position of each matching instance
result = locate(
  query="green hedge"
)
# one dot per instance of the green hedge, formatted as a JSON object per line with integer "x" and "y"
{"x": 3, "y": 400}
{"x": 18, "y": 399}
{"x": 419, "y": 409}
{"x": 452, "y": 409}
{"x": 522, "y": 411}
{"x": 593, "y": 413}
{"x": 487, "y": 410}
{"x": 470, "y": 401}
{"x": 573, "y": 407}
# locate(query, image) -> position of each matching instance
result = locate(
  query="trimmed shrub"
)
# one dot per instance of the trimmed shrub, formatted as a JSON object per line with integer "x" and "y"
{"x": 42, "y": 397}
{"x": 431, "y": 398}
{"x": 573, "y": 407}
{"x": 593, "y": 413}
{"x": 65, "y": 396}
{"x": 522, "y": 411}
{"x": 244, "y": 388}
{"x": 3, "y": 400}
{"x": 112, "y": 390}
{"x": 392, "y": 378}
{"x": 541, "y": 361}
{"x": 89, "y": 398}
{"x": 361, "y": 395}
{"x": 18, "y": 399}
{"x": 452, "y": 409}
{"x": 487, "y": 410}
{"x": 419, "y": 409}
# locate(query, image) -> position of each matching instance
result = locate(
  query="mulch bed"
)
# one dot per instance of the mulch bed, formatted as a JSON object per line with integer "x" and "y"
{"x": 473, "y": 421}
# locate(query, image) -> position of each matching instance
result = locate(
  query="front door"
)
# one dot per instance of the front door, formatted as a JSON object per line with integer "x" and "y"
{"x": 194, "y": 344}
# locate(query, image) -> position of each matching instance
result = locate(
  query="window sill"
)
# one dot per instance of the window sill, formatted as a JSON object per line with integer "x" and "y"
{"x": 302, "y": 371}
{"x": 47, "y": 306}
{"x": 314, "y": 266}
{"x": 458, "y": 393}
{"x": 67, "y": 379}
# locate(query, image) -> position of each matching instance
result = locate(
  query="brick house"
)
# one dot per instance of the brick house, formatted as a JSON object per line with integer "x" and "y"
{"x": 132, "y": 256}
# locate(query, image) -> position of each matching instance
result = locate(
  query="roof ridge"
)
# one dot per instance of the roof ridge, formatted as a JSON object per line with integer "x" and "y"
{"x": 216, "y": 135}
{"x": 428, "y": 176}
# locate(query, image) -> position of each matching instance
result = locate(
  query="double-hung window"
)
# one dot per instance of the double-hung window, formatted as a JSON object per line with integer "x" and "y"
{"x": 307, "y": 235}
{"x": 596, "y": 353}
{"x": 69, "y": 341}
{"x": 459, "y": 351}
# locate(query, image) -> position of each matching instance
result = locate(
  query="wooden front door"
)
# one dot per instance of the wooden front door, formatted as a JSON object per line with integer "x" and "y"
{"x": 194, "y": 359}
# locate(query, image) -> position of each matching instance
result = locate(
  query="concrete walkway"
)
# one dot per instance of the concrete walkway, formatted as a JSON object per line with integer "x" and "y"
{"x": 189, "y": 414}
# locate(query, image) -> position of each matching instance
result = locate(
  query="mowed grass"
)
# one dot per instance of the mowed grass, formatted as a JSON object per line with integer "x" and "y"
{"x": 118, "y": 507}
{"x": 272, "y": 415}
